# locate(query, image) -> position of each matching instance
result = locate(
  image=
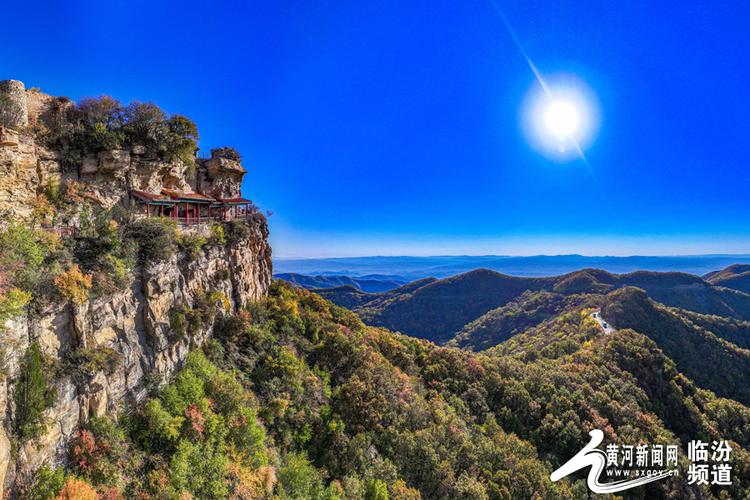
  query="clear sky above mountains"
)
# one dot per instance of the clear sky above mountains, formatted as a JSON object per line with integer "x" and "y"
{"x": 376, "y": 128}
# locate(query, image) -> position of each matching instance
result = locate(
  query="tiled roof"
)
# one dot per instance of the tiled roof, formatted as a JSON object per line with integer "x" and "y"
{"x": 239, "y": 201}
{"x": 176, "y": 195}
{"x": 150, "y": 196}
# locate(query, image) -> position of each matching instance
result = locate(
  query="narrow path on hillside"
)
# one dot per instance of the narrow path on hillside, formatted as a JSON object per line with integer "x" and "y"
{"x": 606, "y": 327}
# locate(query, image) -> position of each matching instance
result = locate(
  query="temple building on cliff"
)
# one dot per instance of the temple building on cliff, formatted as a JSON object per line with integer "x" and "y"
{"x": 191, "y": 208}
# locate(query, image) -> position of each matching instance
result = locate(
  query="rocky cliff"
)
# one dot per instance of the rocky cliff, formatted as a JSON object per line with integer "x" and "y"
{"x": 28, "y": 164}
{"x": 134, "y": 326}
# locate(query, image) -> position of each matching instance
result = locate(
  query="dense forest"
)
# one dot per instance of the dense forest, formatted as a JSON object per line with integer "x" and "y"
{"x": 296, "y": 398}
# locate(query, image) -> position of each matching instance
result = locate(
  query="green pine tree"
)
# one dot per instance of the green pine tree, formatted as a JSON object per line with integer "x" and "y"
{"x": 32, "y": 395}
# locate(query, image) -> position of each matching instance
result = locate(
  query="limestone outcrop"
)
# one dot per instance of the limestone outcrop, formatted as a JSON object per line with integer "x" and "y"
{"x": 14, "y": 111}
{"x": 221, "y": 177}
{"x": 135, "y": 324}
{"x": 27, "y": 165}
{"x": 19, "y": 173}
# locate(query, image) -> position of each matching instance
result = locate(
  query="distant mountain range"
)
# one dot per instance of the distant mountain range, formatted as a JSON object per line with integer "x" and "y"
{"x": 368, "y": 283}
{"x": 407, "y": 269}
{"x": 482, "y": 308}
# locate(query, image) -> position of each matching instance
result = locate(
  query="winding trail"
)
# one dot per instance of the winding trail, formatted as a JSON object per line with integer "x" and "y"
{"x": 606, "y": 327}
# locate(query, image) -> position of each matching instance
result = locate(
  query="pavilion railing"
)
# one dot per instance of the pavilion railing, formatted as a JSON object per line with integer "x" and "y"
{"x": 191, "y": 221}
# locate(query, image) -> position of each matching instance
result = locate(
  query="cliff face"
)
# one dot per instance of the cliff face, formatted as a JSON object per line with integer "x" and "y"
{"x": 20, "y": 174}
{"x": 26, "y": 165}
{"x": 133, "y": 325}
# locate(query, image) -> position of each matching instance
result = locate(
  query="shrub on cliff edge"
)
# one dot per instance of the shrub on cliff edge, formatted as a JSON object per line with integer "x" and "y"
{"x": 156, "y": 239}
{"x": 191, "y": 244}
{"x": 218, "y": 235}
{"x": 77, "y": 489}
{"x": 12, "y": 303}
{"x": 73, "y": 284}
{"x": 47, "y": 484}
{"x": 236, "y": 232}
{"x": 23, "y": 251}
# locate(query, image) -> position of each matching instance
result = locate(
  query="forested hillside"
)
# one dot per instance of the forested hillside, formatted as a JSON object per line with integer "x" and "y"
{"x": 522, "y": 313}
{"x": 736, "y": 277}
{"x": 711, "y": 361}
{"x": 296, "y": 397}
{"x": 482, "y": 308}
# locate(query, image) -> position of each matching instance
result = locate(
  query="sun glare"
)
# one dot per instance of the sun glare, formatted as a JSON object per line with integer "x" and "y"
{"x": 560, "y": 120}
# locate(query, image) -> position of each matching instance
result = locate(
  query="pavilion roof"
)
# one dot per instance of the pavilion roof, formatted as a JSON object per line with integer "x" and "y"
{"x": 234, "y": 201}
{"x": 178, "y": 196}
{"x": 151, "y": 197}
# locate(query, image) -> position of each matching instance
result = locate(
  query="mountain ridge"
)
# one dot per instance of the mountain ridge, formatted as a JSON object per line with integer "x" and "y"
{"x": 437, "y": 309}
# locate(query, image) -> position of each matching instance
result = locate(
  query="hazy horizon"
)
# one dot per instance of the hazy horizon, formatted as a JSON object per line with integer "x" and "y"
{"x": 417, "y": 267}
{"x": 720, "y": 254}
{"x": 294, "y": 245}
{"x": 405, "y": 256}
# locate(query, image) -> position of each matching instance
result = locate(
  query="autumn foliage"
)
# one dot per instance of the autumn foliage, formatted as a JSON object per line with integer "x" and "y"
{"x": 73, "y": 284}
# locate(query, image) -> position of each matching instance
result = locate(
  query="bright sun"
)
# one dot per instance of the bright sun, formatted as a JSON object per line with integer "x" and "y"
{"x": 560, "y": 118}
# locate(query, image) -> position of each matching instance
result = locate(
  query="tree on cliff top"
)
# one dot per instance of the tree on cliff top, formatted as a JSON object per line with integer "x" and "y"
{"x": 171, "y": 138}
{"x": 102, "y": 123}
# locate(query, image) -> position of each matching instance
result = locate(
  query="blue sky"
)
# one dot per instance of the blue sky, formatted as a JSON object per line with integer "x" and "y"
{"x": 382, "y": 128}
